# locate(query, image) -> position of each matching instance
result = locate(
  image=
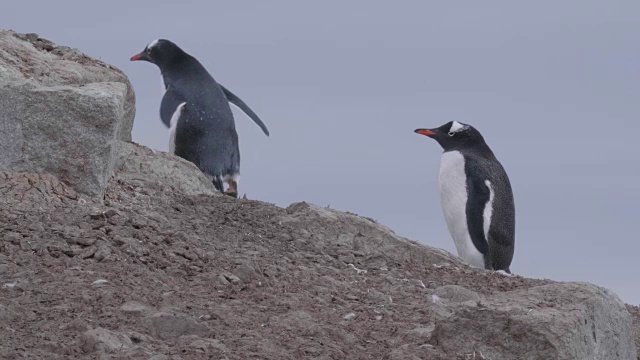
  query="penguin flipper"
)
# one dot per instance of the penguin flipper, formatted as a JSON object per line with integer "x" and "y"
{"x": 478, "y": 196}
{"x": 232, "y": 98}
{"x": 171, "y": 100}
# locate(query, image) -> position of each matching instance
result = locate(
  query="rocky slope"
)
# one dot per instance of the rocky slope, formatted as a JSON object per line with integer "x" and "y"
{"x": 152, "y": 263}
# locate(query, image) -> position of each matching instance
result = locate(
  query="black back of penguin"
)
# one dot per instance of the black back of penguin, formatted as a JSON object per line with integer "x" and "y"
{"x": 480, "y": 166}
{"x": 205, "y": 133}
{"x": 172, "y": 58}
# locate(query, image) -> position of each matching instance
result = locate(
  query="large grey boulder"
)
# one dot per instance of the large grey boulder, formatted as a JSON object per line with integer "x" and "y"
{"x": 63, "y": 113}
{"x": 561, "y": 321}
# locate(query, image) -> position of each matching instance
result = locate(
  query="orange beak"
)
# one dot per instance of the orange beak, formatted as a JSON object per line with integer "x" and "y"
{"x": 426, "y": 132}
{"x": 141, "y": 56}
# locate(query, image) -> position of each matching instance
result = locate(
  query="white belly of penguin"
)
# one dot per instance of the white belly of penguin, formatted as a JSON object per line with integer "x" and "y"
{"x": 453, "y": 199}
{"x": 173, "y": 127}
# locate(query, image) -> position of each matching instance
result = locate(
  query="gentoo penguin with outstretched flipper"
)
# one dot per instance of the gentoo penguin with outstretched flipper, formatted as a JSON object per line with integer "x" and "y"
{"x": 196, "y": 110}
{"x": 476, "y": 197}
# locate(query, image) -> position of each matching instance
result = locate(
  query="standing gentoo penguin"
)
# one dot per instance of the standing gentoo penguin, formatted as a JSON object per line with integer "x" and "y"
{"x": 476, "y": 197}
{"x": 196, "y": 110}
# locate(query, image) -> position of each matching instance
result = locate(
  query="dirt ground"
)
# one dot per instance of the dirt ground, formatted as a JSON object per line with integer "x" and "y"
{"x": 152, "y": 274}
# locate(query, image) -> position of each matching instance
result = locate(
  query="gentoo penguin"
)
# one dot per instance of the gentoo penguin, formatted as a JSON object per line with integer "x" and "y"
{"x": 196, "y": 110}
{"x": 476, "y": 197}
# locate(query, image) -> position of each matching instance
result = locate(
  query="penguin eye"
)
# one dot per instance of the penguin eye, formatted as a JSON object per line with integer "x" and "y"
{"x": 451, "y": 133}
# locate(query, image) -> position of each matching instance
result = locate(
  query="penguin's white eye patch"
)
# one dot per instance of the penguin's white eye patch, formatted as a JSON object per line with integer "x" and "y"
{"x": 455, "y": 127}
{"x": 152, "y": 44}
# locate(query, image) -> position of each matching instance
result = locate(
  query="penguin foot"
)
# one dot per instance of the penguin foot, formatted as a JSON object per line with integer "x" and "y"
{"x": 231, "y": 193}
{"x": 232, "y": 189}
{"x": 504, "y": 273}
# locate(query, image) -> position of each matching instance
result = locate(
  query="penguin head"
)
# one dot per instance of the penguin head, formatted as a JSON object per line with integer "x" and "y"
{"x": 454, "y": 135}
{"x": 160, "y": 52}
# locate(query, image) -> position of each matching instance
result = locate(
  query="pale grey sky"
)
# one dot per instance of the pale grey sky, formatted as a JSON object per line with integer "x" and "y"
{"x": 553, "y": 86}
